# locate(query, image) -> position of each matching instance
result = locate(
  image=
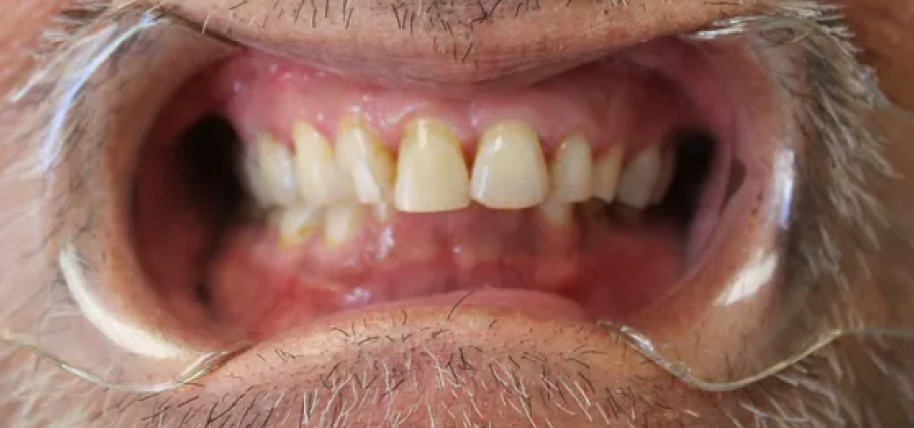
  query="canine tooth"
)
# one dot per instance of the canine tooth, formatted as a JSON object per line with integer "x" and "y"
{"x": 359, "y": 152}
{"x": 665, "y": 180}
{"x": 319, "y": 177}
{"x": 295, "y": 224}
{"x": 341, "y": 223}
{"x": 432, "y": 175}
{"x": 510, "y": 170}
{"x": 572, "y": 166}
{"x": 639, "y": 177}
{"x": 276, "y": 166}
{"x": 606, "y": 172}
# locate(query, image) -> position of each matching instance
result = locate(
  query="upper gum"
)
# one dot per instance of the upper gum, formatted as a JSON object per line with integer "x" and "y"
{"x": 262, "y": 102}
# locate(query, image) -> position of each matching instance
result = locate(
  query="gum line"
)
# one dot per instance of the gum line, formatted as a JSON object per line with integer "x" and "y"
{"x": 610, "y": 102}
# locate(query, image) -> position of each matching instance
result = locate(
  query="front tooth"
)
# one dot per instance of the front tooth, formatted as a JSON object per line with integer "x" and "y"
{"x": 571, "y": 171}
{"x": 606, "y": 172}
{"x": 371, "y": 166}
{"x": 640, "y": 176}
{"x": 295, "y": 224}
{"x": 432, "y": 175}
{"x": 320, "y": 179}
{"x": 510, "y": 170}
{"x": 277, "y": 168}
{"x": 341, "y": 223}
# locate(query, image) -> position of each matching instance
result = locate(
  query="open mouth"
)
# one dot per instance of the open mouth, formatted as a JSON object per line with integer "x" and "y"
{"x": 272, "y": 194}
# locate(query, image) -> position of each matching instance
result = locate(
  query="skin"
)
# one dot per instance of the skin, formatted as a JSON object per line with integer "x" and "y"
{"x": 855, "y": 382}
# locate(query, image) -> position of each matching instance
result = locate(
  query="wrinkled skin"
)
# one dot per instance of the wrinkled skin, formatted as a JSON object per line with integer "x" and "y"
{"x": 853, "y": 383}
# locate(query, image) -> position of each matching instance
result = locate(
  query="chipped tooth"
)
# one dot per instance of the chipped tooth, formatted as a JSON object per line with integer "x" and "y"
{"x": 432, "y": 175}
{"x": 639, "y": 177}
{"x": 665, "y": 180}
{"x": 360, "y": 152}
{"x": 510, "y": 170}
{"x": 295, "y": 224}
{"x": 320, "y": 179}
{"x": 606, "y": 172}
{"x": 341, "y": 223}
{"x": 276, "y": 167}
{"x": 571, "y": 170}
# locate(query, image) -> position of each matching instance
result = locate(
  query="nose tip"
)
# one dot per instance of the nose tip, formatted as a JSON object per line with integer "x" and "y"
{"x": 428, "y": 43}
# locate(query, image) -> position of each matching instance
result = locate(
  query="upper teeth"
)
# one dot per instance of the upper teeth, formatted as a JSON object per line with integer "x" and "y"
{"x": 572, "y": 167}
{"x": 640, "y": 176}
{"x": 320, "y": 179}
{"x": 510, "y": 169}
{"x": 275, "y": 176}
{"x": 360, "y": 151}
{"x": 431, "y": 174}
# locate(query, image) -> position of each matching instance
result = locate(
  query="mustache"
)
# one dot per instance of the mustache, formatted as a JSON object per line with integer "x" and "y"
{"x": 839, "y": 213}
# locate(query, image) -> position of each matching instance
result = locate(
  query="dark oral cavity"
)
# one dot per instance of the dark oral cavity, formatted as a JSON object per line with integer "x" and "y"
{"x": 268, "y": 252}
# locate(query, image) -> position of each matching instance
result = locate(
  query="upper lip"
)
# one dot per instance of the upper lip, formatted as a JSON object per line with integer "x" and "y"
{"x": 423, "y": 45}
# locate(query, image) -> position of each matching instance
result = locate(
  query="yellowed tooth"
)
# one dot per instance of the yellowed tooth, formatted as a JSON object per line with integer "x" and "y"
{"x": 276, "y": 167}
{"x": 639, "y": 177}
{"x": 341, "y": 223}
{"x": 606, "y": 172}
{"x": 320, "y": 179}
{"x": 571, "y": 171}
{"x": 361, "y": 153}
{"x": 296, "y": 224}
{"x": 432, "y": 175}
{"x": 667, "y": 171}
{"x": 510, "y": 170}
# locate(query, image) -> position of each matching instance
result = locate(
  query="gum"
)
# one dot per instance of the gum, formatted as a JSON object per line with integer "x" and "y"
{"x": 612, "y": 102}
{"x": 257, "y": 283}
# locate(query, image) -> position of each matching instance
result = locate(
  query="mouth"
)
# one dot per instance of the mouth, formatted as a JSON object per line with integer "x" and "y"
{"x": 273, "y": 195}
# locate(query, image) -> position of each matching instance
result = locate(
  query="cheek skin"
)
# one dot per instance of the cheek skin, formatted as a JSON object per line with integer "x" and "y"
{"x": 883, "y": 27}
{"x": 21, "y": 24}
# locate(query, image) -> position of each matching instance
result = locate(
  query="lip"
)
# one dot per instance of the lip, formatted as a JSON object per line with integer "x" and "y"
{"x": 453, "y": 47}
{"x": 314, "y": 343}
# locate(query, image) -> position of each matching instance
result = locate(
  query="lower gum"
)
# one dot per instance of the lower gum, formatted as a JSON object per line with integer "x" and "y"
{"x": 613, "y": 269}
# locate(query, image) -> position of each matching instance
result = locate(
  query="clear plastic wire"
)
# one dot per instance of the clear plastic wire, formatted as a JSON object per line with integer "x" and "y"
{"x": 824, "y": 220}
{"x": 59, "y": 298}
{"x": 839, "y": 262}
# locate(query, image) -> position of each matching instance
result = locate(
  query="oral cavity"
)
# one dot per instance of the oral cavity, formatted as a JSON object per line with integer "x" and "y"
{"x": 360, "y": 195}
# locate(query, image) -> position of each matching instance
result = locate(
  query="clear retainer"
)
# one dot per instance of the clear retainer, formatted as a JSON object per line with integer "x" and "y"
{"x": 813, "y": 268}
{"x": 833, "y": 254}
{"x": 57, "y": 299}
